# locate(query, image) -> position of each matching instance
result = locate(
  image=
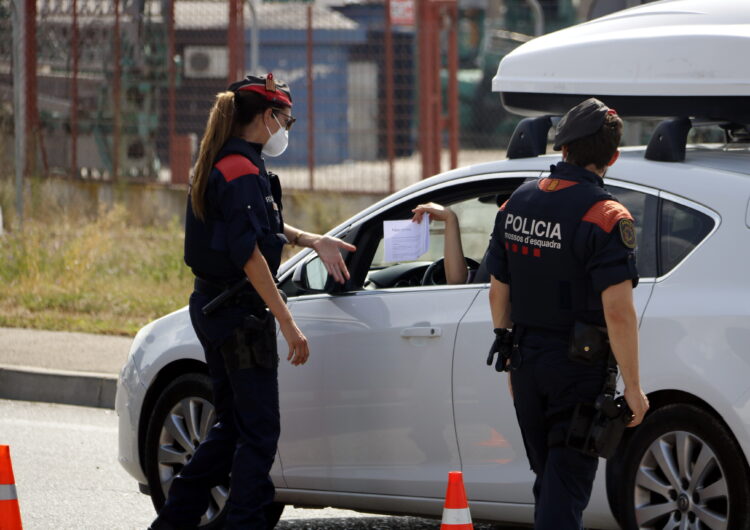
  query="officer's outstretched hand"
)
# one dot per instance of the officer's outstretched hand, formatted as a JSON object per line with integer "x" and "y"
{"x": 298, "y": 349}
{"x": 329, "y": 250}
{"x": 638, "y": 403}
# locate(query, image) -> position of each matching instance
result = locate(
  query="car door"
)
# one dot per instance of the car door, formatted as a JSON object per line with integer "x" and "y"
{"x": 372, "y": 410}
{"x": 492, "y": 451}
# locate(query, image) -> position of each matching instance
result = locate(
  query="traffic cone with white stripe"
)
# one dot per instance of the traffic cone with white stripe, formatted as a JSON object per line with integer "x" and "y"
{"x": 456, "y": 515}
{"x": 10, "y": 515}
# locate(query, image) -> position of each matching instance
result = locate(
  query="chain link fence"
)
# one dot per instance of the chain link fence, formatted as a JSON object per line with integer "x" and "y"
{"x": 121, "y": 89}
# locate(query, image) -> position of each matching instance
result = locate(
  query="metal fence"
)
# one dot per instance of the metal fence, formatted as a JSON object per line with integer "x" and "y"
{"x": 385, "y": 91}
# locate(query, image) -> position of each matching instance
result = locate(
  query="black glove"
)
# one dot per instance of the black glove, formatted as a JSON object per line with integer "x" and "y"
{"x": 502, "y": 346}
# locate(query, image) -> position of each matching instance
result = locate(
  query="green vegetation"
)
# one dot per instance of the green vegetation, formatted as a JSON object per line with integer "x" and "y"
{"x": 99, "y": 276}
{"x": 85, "y": 262}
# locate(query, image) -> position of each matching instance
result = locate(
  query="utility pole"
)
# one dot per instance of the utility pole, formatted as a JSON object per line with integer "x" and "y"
{"x": 19, "y": 101}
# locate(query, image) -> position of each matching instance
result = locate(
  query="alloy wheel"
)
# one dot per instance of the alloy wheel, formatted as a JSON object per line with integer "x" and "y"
{"x": 184, "y": 428}
{"x": 680, "y": 485}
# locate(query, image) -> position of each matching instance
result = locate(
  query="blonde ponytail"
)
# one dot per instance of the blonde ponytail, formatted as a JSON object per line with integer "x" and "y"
{"x": 218, "y": 130}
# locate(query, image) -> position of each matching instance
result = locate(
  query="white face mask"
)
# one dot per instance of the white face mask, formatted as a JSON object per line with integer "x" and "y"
{"x": 278, "y": 141}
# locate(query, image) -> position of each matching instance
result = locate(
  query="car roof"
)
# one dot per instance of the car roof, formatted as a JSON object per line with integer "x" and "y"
{"x": 632, "y": 167}
{"x": 696, "y": 178}
{"x": 715, "y": 157}
{"x": 736, "y": 160}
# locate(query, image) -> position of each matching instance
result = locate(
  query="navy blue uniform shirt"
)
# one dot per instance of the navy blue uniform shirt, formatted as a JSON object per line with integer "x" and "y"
{"x": 559, "y": 242}
{"x": 243, "y": 208}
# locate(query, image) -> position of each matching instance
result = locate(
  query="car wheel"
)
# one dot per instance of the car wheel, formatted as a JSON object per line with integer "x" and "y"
{"x": 683, "y": 470}
{"x": 180, "y": 420}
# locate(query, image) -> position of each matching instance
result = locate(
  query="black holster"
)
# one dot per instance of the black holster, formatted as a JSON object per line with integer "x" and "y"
{"x": 252, "y": 344}
{"x": 597, "y": 428}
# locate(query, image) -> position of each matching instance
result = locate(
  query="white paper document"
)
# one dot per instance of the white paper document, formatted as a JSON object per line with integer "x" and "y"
{"x": 405, "y": 240}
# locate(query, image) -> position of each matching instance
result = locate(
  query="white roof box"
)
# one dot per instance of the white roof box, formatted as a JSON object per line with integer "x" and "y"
{"x": 667, "y": 58}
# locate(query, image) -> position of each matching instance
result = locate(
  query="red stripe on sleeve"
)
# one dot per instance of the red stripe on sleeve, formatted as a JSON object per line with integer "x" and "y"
{"x": 606, "y": 214}
{"x": 234, "y": 166}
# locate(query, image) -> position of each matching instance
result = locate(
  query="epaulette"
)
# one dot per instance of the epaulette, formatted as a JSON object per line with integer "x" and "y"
{"x": 606, "y": 214}
{"x": 552, "y": 184}
{"x": 234, "y": 166}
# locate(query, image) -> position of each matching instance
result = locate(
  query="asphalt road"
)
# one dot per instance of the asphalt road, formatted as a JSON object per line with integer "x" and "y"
{"x": 67, "y": 476}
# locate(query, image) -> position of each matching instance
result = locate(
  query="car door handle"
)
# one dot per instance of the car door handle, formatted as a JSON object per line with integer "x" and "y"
{"x": 421, "y": 332}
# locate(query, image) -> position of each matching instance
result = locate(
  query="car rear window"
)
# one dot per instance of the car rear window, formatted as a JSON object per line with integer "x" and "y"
{"x": 682, "y": 229}
{"x": 643, "y": 208}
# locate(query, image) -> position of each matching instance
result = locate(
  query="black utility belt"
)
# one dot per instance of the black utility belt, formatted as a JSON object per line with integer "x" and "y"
{"x": 209, "y": 287}
{"x": 224, "y": 295}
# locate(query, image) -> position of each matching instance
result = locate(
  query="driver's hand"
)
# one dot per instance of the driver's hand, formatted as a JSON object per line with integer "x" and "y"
{"x": 436, "y": 211}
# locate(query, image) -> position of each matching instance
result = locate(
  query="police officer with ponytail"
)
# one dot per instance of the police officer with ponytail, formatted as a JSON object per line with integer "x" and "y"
{"x": 563, "y": 270}
{"x": 234, "y": 235}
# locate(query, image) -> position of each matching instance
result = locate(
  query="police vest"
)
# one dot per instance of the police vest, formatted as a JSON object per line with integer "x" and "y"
{"x": 272, "y": 244}
{"x": 548, "y": 281}
{"x": 206, "y": 244}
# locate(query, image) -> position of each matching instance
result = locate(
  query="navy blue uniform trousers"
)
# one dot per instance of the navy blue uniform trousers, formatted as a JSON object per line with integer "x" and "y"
{"x": 243, "y": 440}
{"x": 545, "y": 383}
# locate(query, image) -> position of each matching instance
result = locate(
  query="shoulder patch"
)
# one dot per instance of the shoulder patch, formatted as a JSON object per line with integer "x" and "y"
{"x": 627, "y": 232}
{"x": 606, "y": 214}
{"x": 551, "y": 184}
{"x": 234, "y": 166}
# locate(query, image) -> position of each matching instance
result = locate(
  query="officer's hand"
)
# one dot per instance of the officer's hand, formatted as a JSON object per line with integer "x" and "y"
{"x": 298, "y": 349}
{"x": 503, "y": 362}
{"x": 436, "y": 211}
{"x": 494, "y": 350}
{"x": 329, "y": 250}
{"x": 638, "y": 403}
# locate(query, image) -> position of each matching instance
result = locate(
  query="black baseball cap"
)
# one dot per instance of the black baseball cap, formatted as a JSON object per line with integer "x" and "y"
{"x": 583, "y": 120}
{"x": 274, "y": 90}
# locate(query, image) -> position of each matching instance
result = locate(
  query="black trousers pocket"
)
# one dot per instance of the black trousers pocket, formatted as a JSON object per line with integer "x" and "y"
{"x": 252, "y": 344}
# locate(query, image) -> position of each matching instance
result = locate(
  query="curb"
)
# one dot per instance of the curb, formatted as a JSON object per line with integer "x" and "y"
{"x": 86, "y": 389}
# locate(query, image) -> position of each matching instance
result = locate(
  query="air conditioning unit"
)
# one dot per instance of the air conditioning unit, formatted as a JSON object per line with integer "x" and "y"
{"x": 206, "y": 62}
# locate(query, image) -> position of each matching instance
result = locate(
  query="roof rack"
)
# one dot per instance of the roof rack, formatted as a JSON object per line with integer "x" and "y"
{"x": 529, "y": 139}
{"x": 669, "y": 140}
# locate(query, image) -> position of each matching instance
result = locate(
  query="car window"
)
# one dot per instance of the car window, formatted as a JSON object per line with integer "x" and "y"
{"x": 476, "y": 218}
{"x": 682, "y": 229}
{"x": 437, "y": 230}
{"x": 643, "y": 208}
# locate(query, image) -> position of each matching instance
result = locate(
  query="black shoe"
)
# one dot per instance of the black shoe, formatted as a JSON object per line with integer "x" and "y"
{"x": 161, "y": 524}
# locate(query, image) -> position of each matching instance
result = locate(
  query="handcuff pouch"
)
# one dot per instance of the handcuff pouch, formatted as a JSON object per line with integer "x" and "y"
{"x": 589, "y": 344}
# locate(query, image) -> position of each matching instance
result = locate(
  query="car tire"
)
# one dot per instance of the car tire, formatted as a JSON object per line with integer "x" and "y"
{"x": 180, "y": 420}
{"x": 682, "y": 469}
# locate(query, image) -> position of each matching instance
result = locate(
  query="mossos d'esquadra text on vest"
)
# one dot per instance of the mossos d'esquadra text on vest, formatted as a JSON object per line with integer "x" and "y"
{"x": 527, "y": 230}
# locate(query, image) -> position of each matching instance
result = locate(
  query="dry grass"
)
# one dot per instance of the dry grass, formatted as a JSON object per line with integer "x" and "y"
{"x": 73, "y": 268}
{"x": 99, "y": 276}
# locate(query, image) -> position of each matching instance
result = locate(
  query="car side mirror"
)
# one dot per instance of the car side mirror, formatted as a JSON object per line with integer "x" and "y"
{"x": 312, "y": 277}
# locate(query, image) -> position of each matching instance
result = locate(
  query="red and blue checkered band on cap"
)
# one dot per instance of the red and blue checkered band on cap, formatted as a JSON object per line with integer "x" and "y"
{"x": 275, "y": 91}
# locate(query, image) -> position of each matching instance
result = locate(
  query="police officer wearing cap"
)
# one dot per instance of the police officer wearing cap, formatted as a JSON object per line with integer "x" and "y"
{"x": 562, "y": 253}
{"x": 234, "y": 235}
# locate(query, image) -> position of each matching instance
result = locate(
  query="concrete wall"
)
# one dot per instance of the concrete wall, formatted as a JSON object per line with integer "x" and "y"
{"x": 150, "y": 204}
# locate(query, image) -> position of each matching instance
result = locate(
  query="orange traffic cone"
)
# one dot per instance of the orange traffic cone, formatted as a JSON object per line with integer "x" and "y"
{"x": 10, "y": 515}
{"x": 456, "y": 515}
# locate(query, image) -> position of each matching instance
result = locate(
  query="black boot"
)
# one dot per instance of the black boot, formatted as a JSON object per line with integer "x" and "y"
{"x": 161, "y": 524}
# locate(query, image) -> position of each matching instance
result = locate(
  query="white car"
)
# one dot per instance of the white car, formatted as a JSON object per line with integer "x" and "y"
{"x": 397, "y": 393}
